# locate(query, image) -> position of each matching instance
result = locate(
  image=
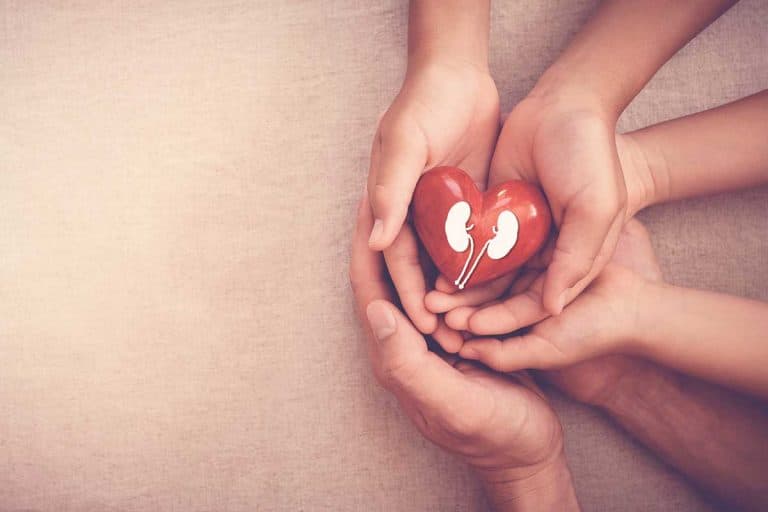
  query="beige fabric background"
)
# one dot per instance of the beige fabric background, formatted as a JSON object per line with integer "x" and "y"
{"x": 177, "y": 187}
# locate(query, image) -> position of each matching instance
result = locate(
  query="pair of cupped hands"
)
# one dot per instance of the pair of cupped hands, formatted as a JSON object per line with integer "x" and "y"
{"x": 578, "y": 291}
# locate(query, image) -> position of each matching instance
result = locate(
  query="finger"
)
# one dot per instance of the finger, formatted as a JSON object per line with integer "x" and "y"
{"x": 367, "y": 273}
{"x": 635, "y": 251}
{"x": 402, "y": 259}
{"x": 440, "y": 302}
{"x": 603, "y": 257}
{"x": 416, "y": 376}
{"x": 513, "y": 354}
{"x": 449, "y": 339}
{"x": 401, "y": 157}
{"x": 583, "y": 232}
{"x": 458, "y": 319}
{"x": 421, "y": 380}
{"x": 513, "y": 313}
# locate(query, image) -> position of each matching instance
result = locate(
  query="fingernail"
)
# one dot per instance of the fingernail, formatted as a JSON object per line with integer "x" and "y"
{"x": 381, "y": 320}
{"x": 376, "y": 232}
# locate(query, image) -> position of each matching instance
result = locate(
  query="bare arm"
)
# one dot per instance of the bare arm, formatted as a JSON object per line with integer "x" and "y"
{"x": 717, "y": 438}
{"x": 716, "y": 150}
{"x": 714, "y": 336}
{"x": 449, "y": 28}
{"x": 452, "y": 37}
{"x": 623, "y": 45}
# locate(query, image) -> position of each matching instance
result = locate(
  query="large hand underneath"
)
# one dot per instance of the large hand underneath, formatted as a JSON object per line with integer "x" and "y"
{"x": 501, "y": 425}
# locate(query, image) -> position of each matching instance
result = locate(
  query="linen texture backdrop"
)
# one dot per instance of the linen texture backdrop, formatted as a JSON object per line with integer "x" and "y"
{"x": 178, "y": 182}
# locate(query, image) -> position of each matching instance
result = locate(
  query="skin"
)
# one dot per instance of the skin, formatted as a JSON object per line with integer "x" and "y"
{"x": 624, "y": 312}
{"x": 501, "y": 425}
{"x": 716, "y": 437}
{"x": 562, "y": 135}
{"x": 477, "y": 311}
{"x": 446, "y": 113}
{"x": 578, "y": 101}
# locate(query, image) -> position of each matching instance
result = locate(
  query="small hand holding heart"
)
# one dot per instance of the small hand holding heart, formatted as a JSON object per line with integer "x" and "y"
{"x": 475, "y": 237}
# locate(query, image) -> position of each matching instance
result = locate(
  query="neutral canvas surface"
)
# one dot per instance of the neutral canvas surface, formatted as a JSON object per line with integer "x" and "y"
{"x": 177, "y": 188}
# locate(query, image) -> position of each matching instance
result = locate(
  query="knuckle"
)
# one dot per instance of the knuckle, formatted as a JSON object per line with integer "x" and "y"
{"x": 397, "y": 373}
{"x": 500, "y": 361}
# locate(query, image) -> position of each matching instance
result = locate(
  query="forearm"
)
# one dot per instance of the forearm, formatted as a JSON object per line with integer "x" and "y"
{"x": 548, "y": 490}
{"x": 623, "y": 45}
{"x": 713, "y": 336}
{"x": 716, "y": 150}
{"x": 718, "y": 438}
{"x": 456, "y": 30}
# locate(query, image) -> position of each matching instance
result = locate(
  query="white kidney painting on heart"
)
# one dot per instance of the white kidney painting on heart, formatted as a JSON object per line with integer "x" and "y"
{"x": 459, "y": 239}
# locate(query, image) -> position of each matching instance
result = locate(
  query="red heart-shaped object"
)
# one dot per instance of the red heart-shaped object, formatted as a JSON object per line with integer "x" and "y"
{"x": 474, "y": 237}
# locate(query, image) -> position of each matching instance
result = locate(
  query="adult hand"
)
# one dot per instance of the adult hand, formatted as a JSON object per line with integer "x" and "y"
{"x": 501, "y": 425}
{"x": 447, "y": 113}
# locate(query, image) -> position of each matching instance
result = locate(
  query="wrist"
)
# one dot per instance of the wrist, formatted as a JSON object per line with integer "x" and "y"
{"x": 419, "y": 62}
{"x": 562, "y": 86}
{"x": 640, "y": 176}
{"x": 547, "y": 487}
{"x": 651, "y": 307}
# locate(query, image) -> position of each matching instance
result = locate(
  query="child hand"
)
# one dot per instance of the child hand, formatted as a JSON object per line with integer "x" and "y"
{"x": 477, "y": 309}
{"x": 447, "y": 113}
{"x": 568, "y": 147}
{"x": 600, "y": 321}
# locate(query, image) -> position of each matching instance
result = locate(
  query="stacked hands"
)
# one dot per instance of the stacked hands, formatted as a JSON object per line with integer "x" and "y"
{"x": 589, "y": 302}
{"x": 489, "y": 418}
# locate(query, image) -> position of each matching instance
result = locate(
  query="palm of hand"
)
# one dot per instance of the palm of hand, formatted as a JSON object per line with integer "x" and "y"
{"x": 444, "y": 115}
{"x": 504, "y": 422}
{"x": 456, "y": 112}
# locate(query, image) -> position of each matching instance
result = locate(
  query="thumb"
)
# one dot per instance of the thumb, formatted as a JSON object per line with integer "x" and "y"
{"x": 415, "y": 375}
{"x": 398, "y": 159}
{"x": 587, "y": 229}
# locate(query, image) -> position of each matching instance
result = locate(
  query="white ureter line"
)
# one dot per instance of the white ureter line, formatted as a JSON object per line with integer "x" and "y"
{"x": 474, "y": 266}
{"x": 466, "y": 263}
